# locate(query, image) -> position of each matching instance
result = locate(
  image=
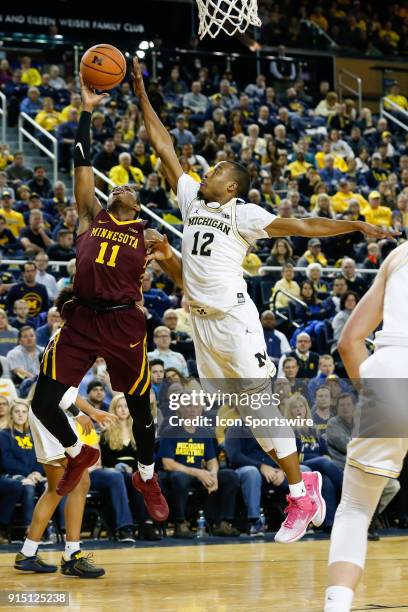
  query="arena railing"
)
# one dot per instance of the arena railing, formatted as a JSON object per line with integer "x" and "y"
{"x": 264, "y": 270}
{"x": 3, "y": 117}
{"x": 22, "y": 132}
{"x": 356, "y": 88}
{"x": 146, "y": 210}
{"x": 385, "y": 112}
{"x": 55, "y": 265}
{"x": 279, "y": 314}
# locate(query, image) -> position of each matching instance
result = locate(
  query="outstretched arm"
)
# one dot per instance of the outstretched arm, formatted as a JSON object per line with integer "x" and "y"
{"x": 159, "y": 249}
{"x": 321, "y": 227}
{"x": 158, "y": 135}
{"x": 88, "y": 205}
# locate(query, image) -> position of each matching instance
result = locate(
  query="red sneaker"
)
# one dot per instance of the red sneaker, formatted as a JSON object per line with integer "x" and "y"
{"x": 152, "y": 495}
{"x": 75, "y": 468}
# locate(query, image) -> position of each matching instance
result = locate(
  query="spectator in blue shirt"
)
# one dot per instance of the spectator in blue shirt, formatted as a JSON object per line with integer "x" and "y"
{"x": 326, "y": 367}
{"x": 36, "y": 295}
{"x": 53, "y": 323}
{"x": 330, "y": 175}
{"x": 155, "y": 300}
{"x": 276, "y": 343}
{"x": 189, "y": 457}
{"x": 32, "y": 103}
{"x": 180, "y": 133}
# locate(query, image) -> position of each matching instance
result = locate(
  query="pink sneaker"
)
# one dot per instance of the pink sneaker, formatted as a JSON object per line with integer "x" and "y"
{"x": 300, "y": 512}
{"x": 313, "y": 484}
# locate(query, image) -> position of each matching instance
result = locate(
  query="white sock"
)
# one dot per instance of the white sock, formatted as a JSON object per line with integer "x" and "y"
{"x": 29, "y": 548}
{"x": 298, "y": 489}
{"x": 145, "y": 471}
{"x": 338, "y": 599}
{"x": 70, "y": 549}
{"x": 73, "y": 451}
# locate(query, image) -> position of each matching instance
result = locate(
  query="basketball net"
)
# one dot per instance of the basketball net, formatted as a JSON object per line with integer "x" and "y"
{"x": 231, "y": 16}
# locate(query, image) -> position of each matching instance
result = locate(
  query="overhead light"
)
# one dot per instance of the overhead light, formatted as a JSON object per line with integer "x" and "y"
{"x": 140, "y": 54}
{"x": 144, "y": 45}
{"x": 151, "y": 44}
{"x": 127, "y": 54}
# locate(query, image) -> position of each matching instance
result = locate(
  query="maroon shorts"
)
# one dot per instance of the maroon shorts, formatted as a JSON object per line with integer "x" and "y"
{"x": 117, "y": 336}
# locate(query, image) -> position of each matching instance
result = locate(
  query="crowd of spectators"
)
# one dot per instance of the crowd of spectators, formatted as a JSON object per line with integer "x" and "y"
{"x": 361, "y": 27}
{"x": 306, "y": 157}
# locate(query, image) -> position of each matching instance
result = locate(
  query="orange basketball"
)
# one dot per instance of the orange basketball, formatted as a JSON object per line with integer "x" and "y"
{"x": 103, "y": 67}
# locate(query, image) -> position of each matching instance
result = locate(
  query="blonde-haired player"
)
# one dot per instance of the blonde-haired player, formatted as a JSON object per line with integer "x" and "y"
{"x": 371, "y": 461}
{"x": 228, "y": 336}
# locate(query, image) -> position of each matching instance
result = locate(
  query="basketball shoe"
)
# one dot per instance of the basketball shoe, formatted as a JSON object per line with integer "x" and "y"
{"x": 153, "y": 497}
{"x": 75, "y": 468}
{"x": 33, "y": 564}
{"x": 80, "y": 566}
{"x": 313, "y": 484}
{"x": 299, "y": 513}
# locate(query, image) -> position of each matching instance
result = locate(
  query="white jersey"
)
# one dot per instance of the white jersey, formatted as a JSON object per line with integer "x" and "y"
{"x": 215, "y": 241}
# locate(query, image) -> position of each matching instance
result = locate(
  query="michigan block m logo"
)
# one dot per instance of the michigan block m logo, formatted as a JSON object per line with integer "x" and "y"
{"x": 97, "y": 60}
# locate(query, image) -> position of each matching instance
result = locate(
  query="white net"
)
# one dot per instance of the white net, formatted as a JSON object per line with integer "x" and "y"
{"x": 231, "y": 16}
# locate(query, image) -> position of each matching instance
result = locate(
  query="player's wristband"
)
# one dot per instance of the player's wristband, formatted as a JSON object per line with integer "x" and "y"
{"x": 73, "y": 410}
{"x": 82, "y": 146}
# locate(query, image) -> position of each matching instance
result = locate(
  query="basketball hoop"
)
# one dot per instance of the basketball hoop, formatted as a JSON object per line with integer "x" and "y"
{"x": 231, "y": 16}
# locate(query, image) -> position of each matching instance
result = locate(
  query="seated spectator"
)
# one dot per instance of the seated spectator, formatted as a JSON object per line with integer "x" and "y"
{"x": 48, "y": 118}
{"x": 152, "y": 195}
{"x": 307, "y": 360}
{"x": 314, "y": 275}
{"x": 180, "y": 341}
{"x": 99, "y": 131}
{"x": 348, "y": 302}
{"x": 298, "y": 167}
{"x": 338, "y": 146}
{"x": 24, "y": 359}
{"x": 18, "y": 459}
{"x": 373, "y": 259}
{"x": 35, "y": 238}
{"x": 125, "y": 173}
{"x": 7, "y": 388}
{"x": 45, "y": 332}
{"x": 313, "y": 254}
{"x": 290, "y": 371}
{"x": 187, "y": 169}
{"x": 66, "y": 281}
{"x": 43, "y": 277}
{"x": 330, "y": 175}
{"x": 4, "y": 185}
{"x": 322, "y": 409}
{"x": 170, "y": 358}
{"x": 14, "y": 220}
{"x": 21, "y": 317}
{"x": 375, "y": 213}
{"x": 95, "y": 394}
{"x": 39, "y": 183}
{"x": 31, "y": 105}
{"x": 298, "y": 211}
{"x": 181, "y": 134}
{"x": 189, "y": 458}
{"x": 311, "y": 318}
{"x": 56, "y": 80}
{"x": 276, "y": 343}
{"x": 8, "y": 242}
{"x": 8, "y": 334}
{"x": 256, "y": 471}
{"x": 29, "y": 75}
{"x": 251, "y": 262}
{"x": 64, "y": 250}
{"x": 34, "y": 293}
{"x": 355, "y": 282}
{"x": 157, "y": 374}
{"x": 197, "y": 162}
{"x": 98, "y": 372}
{"x": 340, "y": 201}
{"x": 313, "y": 453}
{"x": 338, "y": 162}
{"x": 66, "y": 138}
{"x": 339, "y": 288}
{"x": 155, "y": 300}
{"x": 326, "y": 368}
{"x": 281, "y": 253}
{"x": 118, "y": 451}
{"x": 287, "y": 284}
{"x": 59, "y": 199}
{"x": 141, "y": 159}
{"x": 4, "y": 412}
{"x": 69, "y": 221}
{"x": 196, "y": 101}
{"x": 76, "y": 103}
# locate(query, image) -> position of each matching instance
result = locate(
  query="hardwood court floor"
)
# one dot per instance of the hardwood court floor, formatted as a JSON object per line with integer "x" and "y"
{"x": 252, "y": 577}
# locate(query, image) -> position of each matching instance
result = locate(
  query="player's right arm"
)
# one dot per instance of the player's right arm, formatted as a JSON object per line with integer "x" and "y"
{"x": 88, "y": 205}
{"x": 158, "y": 135}
{"x": 159, "y": 249}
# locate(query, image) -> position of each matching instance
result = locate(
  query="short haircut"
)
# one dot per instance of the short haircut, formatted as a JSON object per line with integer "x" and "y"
{"x": 343, "y": 396}
{"x": 242, "y": 178}
{"x": 29, "y": 263}
{"x": 38, "y": 168}
{"x": 64, "y": 232}
{"x": 154, "y": 362}
{"x": 325, "y": 387}
{"x": 285, "y": 361}
{"x": 24, "y": 329}
{"x": 326, "y": 357}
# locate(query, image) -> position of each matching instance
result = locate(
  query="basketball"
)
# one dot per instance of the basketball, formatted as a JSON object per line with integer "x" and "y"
{"x": 103, "y": 67}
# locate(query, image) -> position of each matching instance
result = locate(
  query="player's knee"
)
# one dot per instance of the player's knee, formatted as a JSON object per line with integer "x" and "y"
{"x": 84, "y": 484}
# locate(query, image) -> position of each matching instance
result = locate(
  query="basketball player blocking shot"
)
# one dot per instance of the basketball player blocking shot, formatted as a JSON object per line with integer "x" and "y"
{"x": 229, "y": 343}
{"x": 103, "y": 319}
{"x": 371, "y": 461}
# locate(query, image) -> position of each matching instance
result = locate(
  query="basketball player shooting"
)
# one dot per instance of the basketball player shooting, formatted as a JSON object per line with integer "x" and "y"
{"x": 105, "y": 319}
{"x": 371, "y": 461}
{"x": 228, "y": 337}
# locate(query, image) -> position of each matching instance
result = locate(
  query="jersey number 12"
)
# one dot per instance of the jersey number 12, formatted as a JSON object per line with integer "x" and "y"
{"x": 203, "y": 248}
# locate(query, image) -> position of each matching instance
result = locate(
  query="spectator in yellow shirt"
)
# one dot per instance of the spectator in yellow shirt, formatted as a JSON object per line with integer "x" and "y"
{"x": 340, "y": 201}
{"x": 251, "y": 263}
{"x": 299, "y": 166}
{"x": 313, "y": 254}
{"x": 375, "y": 213}
{"x": 319, "y": 19}
{"x": 125, "y": 173}
{"x": 186, "y": 166}
{"x": 387, "y": 34}
{"x": 14, "y": 220}
{"x": 48, "y": 118}
{"x": 339, "y": 163}
{"x": 75, "y": 103}
{"x": 395, "y": 96}
{"x": 402, "y": 205}
{"x": 287, "y": 284}
{"x": 29, "y": 76}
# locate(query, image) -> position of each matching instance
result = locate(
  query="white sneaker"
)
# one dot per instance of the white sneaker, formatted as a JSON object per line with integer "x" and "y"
{"x": 300, "y": 512}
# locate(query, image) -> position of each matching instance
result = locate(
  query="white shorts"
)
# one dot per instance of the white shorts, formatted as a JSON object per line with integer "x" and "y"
{"x": 47, "y": 448}
{"x": 382, "y": 456}
{"x": 231, "y": 345}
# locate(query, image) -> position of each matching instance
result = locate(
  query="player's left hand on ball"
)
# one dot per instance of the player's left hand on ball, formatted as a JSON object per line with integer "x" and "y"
{"x": 159, "y": 249}
{"x": 86, "y": 423}
{"x": 89, "y": 97}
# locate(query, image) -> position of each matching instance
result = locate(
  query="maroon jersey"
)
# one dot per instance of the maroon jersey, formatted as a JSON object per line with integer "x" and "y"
{"x": 110, "y": 260}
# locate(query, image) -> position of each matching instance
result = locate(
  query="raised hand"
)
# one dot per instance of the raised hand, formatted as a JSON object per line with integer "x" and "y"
{"x": 137, "y": 78}
{"x": 158, "y": 249}
{"x": 90, "y": 98}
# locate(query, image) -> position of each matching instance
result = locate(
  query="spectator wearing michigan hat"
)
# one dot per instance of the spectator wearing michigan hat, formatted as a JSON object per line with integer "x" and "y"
{"x": 375, "y": 213}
